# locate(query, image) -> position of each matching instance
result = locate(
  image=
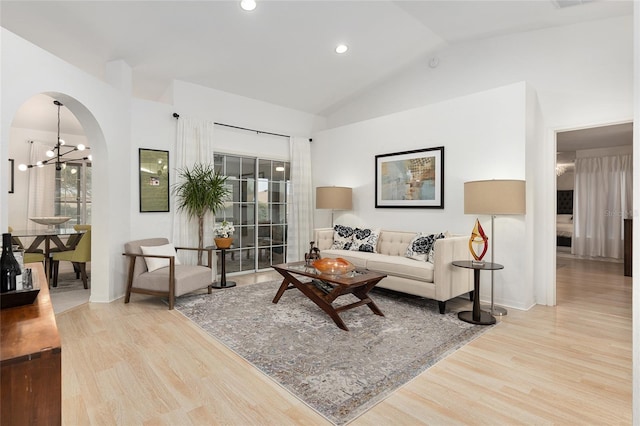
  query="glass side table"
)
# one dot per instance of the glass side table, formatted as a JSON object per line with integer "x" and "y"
{"x": 477, "y": 316}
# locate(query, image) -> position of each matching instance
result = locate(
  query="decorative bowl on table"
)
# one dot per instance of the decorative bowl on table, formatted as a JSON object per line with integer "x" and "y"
{"x": 337, "y": 266}
{"x": 50, "y": 221}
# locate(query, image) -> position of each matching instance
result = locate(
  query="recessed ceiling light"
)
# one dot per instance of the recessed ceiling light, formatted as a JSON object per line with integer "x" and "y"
{"x": 248, "y": 5}
{"x": 341, "y": 48}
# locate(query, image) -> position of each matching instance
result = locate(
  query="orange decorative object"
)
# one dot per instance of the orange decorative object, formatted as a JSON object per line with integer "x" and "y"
{"x": 337, "y": 266}
{"x": 478, "y": 237}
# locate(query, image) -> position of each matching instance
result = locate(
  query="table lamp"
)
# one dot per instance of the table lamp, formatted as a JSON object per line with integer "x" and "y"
{"x": 495, "y": 197}
{"x": 334, "y": 198}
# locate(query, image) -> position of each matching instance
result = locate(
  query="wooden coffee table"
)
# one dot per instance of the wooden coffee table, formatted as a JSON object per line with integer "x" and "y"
{"x": 358, "y": 283}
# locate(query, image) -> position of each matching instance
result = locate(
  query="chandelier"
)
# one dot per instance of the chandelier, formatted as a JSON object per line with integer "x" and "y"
{"x": 56, "y": 155}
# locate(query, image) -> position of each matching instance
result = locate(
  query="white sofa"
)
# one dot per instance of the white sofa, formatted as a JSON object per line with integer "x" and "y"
{"x": 439, "y": 280}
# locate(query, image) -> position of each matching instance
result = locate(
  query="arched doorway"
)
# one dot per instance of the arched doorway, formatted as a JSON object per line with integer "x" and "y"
{"x": 62, "y": 189}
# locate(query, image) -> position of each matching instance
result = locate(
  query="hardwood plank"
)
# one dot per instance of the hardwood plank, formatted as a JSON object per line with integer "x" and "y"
{"x": 570, "y": 364}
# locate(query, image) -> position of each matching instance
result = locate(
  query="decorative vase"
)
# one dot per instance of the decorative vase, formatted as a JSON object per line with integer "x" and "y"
{"x": 223, "y": 243}
{"x": 479, "y": 238}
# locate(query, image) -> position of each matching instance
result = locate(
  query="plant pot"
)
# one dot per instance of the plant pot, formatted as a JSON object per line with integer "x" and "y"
{"x": 223, "y": 243}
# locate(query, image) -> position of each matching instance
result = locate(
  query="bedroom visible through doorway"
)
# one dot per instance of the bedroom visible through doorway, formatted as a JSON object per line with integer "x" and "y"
{"x": 594, "y": 192}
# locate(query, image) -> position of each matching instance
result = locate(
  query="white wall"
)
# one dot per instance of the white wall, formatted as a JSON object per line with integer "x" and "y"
{"x": 195, "y": 101}
{"x": 116, "y": 126}
{"x": 582, "y": 75}
{"x": 28, "y": 70}
{"x": 484, "y": 138}
{"x": 566, "y": 181}
{"x": 575, "y": 69}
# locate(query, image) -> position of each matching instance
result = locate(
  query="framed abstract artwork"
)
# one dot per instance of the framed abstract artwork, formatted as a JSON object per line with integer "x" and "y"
{"x": 413, "y": 179}
{"x": 154, "y": 180}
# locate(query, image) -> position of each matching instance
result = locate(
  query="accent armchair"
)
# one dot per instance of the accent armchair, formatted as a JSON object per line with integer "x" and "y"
{"x": 155, "y": 270}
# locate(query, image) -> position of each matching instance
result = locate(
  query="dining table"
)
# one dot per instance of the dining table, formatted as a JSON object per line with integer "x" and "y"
{"x": 51, "y": 238}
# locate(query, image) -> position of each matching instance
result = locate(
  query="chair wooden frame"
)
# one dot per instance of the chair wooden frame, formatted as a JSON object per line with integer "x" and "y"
{"x": 171, "y": 292}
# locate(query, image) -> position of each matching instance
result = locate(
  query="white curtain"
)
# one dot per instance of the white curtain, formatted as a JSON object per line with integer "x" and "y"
{"x": 194, "y": 144}
{"x": 42, "y": 185}
{"x": 300, "y": 203}
{"x": 602, "y": 200}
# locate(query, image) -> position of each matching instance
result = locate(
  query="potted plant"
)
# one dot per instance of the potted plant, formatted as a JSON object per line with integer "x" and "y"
{"x": 222, "y": 234}
{"x": 200, "y": 190}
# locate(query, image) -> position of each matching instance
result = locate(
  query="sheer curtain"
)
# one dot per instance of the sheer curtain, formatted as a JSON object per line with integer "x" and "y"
{"x": 42, "y": 187}
{"x": 602, "y": 200}
{"x": 194, "y": 143}
{"x": 300, "y": 202}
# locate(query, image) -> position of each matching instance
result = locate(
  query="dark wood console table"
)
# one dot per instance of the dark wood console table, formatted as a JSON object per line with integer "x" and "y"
{"x": 30, "y": 361}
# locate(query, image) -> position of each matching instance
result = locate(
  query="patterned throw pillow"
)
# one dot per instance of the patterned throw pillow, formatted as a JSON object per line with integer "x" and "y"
{"x": 342, "y": 237}
{"x": 365, "y": 240}
{"x": 421, "y": 246}
{"x": 431, "y": 255}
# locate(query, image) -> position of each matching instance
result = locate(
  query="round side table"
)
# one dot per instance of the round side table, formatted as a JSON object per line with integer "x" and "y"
{"x": 477, "y": 316}
{"x": 223, "y": 283}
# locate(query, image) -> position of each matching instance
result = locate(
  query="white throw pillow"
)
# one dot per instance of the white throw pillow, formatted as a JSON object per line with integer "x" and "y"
{"x": 154, "y": 263}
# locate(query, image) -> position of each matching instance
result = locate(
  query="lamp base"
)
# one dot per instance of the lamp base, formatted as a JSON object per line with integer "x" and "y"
{"x": 496, "y": 311}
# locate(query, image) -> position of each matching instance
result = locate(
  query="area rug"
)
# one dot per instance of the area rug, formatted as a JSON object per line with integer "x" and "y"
{"x": 340, "y": 374}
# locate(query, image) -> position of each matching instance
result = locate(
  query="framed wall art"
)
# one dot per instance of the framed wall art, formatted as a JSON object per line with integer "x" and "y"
{"x": 154, "y": 180}
{"x": 411, "y": 179}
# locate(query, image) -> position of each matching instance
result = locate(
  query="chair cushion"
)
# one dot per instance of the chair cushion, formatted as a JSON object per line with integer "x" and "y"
{"x": 154, "y": 263}
{"x": 188, "y": 278}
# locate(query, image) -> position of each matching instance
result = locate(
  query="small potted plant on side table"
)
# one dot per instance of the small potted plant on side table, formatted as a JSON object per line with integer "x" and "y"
{"x": 222, "y": 234}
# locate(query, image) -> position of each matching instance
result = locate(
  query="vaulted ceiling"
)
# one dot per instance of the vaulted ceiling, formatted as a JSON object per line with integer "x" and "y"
{"x": 283, "y": 51}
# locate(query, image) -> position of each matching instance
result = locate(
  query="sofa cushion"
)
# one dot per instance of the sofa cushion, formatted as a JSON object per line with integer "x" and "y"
{"x": 365, "y": 239}
{"x": 358, "y": 258}
{"x": 342, "y": 237}
{"x": 394, "y": 243}
{"x": 401, "y": 267}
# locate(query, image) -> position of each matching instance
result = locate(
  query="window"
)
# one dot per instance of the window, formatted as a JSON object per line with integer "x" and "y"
{"x": 257, "y": 208}
{"x": 73, "y": 192}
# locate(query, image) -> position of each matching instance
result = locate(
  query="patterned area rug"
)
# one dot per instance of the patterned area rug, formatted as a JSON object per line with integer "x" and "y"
{"x": 340, "y": 374}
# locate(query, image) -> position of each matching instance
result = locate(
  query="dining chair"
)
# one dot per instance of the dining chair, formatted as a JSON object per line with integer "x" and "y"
{"x": 71, "y": 243}
{"x": 32, "y": 256}
{"x": 79, "y": 257}
{"x": 154, "y": 269}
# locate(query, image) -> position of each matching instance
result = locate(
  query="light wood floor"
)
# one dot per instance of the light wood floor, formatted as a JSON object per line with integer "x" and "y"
{"x": 140, "y": 364}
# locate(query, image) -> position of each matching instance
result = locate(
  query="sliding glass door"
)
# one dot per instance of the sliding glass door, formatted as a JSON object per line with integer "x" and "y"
{"x": 257, "y": 207}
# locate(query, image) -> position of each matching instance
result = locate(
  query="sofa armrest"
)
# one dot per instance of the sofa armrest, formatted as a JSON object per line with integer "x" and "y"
{"x": 323, "y": 238}
{"x": 451, "y": 281}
